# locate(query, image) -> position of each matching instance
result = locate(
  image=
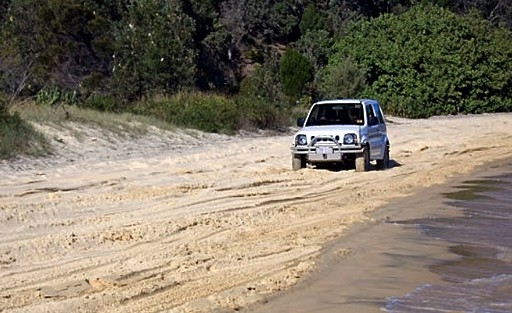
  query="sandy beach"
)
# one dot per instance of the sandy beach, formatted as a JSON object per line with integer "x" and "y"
{"x": 190, "y": 222}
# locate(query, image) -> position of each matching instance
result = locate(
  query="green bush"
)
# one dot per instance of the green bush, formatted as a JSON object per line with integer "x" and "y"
{"x": 316, "y": 46}
{"x": 295, "y": 72}
{"x": 430, "y": 61}
{"x": 261, "y": 103}
{"x": 343, "y": 80}
{"x": 255, "y": 113}
{"x": 311, "y": 20}
{"x": 263, "y": 84}
{"x": 206, "y": 112}
{"x": 53, "y": 96}
{"x": 216, "y": 113}
{"x": 103, "y": 103}
{"x": 18, "y": 137}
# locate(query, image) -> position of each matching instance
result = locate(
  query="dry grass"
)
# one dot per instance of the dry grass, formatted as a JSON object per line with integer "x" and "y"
{"x": 19, "y": 137}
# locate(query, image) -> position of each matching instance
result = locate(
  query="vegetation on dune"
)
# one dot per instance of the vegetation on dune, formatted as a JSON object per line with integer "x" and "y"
{"x": 18, "y": 137}
{"x": 430, "y": 61}
{"x": 224, "y": 65}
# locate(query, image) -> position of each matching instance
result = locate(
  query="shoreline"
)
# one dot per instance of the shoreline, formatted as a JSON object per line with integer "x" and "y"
{"x": 378, "y": 265}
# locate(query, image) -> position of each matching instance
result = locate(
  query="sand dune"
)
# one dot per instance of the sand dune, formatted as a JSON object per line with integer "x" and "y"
{"x": 192, "y": 222}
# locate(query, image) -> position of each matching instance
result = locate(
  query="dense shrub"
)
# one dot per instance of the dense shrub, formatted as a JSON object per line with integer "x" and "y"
{"x": 311, "y": 20}
{"x": 53, "y": 96}
{"x": 17, "y": 136}
{"x": 261, "y": 102}
{"x": 216, "y": 113}
{"x": 256, "y": 113}
{"x": 295, "y": 72}
{"x": 430, "y": 61}
{"x": 341, "y": 80}
{"x": 315, "y": 45}
{"x": 206, "y": 112}
{"x": 103, "y": 103}
{"x": 263, "y": 83}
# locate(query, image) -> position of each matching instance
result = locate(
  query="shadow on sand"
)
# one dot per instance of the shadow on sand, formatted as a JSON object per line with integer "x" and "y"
{"x": 338, "y": 167}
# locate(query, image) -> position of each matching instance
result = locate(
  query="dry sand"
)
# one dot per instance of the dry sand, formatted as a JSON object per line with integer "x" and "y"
{"x": 192, "y": 222}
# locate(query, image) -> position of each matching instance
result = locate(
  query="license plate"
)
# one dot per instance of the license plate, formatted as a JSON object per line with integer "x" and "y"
{"x": 324, "y": 150}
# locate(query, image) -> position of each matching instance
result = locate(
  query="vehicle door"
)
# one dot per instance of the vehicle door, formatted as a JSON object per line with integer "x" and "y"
{"x": 374, "y": 132}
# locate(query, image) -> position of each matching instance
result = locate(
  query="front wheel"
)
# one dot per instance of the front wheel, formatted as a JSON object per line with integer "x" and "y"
{"x": 298, "y": 162}
{"x": 363, "y": 161}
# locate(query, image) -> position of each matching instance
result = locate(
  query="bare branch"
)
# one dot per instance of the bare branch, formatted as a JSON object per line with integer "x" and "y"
{"x": 16, "y": 75}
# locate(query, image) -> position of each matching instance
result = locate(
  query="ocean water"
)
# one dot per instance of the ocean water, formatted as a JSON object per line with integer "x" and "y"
{"x": 479, "y": 277}
{"x": 446, "y": 249}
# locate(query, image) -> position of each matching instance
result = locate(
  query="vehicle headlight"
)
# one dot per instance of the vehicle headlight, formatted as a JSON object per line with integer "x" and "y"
{"x": 301, "y": 140}
{"x": 350, "y": 139}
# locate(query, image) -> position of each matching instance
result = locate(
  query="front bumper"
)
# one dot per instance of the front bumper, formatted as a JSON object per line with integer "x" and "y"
{"x": 326, "y": 150}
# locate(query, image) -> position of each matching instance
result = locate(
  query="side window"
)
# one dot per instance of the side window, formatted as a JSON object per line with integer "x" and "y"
{"x": 370, "y": 115}
{"x": 379, "y": 114}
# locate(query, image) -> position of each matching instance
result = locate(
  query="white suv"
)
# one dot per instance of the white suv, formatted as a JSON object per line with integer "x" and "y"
{"x": 348, "y": 131}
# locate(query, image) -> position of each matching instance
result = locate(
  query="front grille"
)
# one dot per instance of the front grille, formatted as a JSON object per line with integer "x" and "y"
{"x": 326, "y": 139}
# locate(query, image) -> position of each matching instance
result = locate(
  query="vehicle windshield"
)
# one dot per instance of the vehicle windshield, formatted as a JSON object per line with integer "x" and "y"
{"x": 336, "y": 114}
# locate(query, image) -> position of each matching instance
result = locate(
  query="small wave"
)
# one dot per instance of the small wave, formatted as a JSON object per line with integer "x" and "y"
{"x": 490, "y": 295}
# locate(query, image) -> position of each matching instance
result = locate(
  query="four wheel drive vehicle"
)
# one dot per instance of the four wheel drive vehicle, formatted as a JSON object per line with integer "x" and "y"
{"x": 348, "y": 131}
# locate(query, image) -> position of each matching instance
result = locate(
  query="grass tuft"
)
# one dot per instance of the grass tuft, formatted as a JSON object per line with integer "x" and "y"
{"x": 18, "y": 137}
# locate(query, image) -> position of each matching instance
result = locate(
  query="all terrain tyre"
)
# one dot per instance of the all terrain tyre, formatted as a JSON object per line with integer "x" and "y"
{"x": 298, "y": 162}
{"x": 363, "y": 161}
{"x": 384, "y": 163}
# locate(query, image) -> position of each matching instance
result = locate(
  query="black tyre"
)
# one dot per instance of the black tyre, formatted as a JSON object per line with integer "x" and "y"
{"x": 363, "y": 161}
{"x": 384, "y": 163}
{"x": 298, "y": 162}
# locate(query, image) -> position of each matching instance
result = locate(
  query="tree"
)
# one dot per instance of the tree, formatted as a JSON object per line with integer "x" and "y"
{"x": 498, "y": 12}
{"x": 261, "y": 95}
{"x": 267, "y": 20}
{"x": 342, "y": 80}
{"x": 54, "y": 43}
{"x": 154, "y": 50}
{"x": 315, "y": 45}
{"x": 263, "y": 83}
{"x": 311, "y": 20}
{"x": 217, "y": 62}
{"x": 19, "y": 48}
{"x": 339, "y": 14}
{"x": 295, "y": 72}
{"x": 4, "y": 6}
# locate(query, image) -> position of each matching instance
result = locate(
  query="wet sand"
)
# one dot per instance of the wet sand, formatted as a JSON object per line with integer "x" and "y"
{"x": 423, "y": 253}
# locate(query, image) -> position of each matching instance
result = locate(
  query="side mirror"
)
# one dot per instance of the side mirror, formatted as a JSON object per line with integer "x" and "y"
{"x": 300, "y": 121}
